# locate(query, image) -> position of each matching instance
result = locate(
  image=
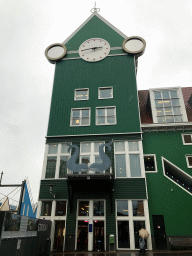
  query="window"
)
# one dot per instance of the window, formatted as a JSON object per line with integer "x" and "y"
{"x": 127, "y": 159}
{"x": 51, "y": 167}
{"x": 56, "y": 161}
{"x": 55, "y": 209}
{"x": 189, "y": 161}
{"x": 150, "y": 163}
{"x": 177, "y": 175}
{"x": 105, "y": 92}
{"x": 91, "y": 208}
{"x": 81, "y": 94}
{"x": 131, "y": 216}
{"x": 80, "y": 117}
{"x": 46, "y": 208}
{"x": 168, "y": 105}
{"x": 187, "y": 139}
{"x": 98, "y": 208}
{"x": 60, "y": 209}
{"x": 105, "y": 115}
{"x": 89, "y": 153}
{"x": 83, "y": 208}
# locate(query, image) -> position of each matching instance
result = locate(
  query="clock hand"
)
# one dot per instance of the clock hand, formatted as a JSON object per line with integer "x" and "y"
{"x": 93, "y": 48}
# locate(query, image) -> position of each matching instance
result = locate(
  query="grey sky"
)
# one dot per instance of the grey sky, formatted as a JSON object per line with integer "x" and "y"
{"x": 28, "y": 27}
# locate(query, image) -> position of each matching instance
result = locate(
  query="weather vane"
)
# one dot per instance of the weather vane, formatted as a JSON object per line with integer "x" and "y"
{"x": 95, "y": 9}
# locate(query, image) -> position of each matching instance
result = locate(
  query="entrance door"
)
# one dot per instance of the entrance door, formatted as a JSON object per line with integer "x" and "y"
{"x": 82, "y": 235}
{"x": 59, "y": 236}
{"x": 98, "y": 235}
{"x": 159, "y": 232}
{"x": 90, "y": 225}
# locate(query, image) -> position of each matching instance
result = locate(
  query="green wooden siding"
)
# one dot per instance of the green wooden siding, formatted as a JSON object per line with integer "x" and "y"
{"x": 94, "y": 28}
{"x": 123, "y": 189}
{"x": 174, "y": 205}
{"x": 118, "y": 71}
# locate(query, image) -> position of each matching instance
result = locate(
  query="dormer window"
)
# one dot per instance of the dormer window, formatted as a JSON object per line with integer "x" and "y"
{"x": 168, "y": 106}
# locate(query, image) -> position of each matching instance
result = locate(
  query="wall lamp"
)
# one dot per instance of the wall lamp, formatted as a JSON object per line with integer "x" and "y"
{"x": 51, "y": 189}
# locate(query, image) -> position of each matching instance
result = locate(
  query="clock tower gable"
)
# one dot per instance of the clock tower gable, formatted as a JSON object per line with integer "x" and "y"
{"x": 95, "y": 27}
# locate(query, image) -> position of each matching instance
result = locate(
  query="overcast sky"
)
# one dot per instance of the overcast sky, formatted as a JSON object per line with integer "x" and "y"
{"x": 29, "y": 26}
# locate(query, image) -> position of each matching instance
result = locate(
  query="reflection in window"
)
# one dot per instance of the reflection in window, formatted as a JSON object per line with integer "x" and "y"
{"x": 46, "y": 208}
{"x": 98, "y": 208}
{"x": 64, "y": 149}
{"x": 149, "y": 161}
{"x": 63, "y": 166}
{"x": 106, "y": 116}
{"x": 105, "y": 93}
{"x": 60, "y": 208}
{"x": 168, "y": 107}
{"x": 80, "y": 117}
{"x": 32, "y": 224}
{"x": 120, "y": 165}
{"x": 187, "y": 138}
{"x": 123, "y": 234}
{"x": 120, "y": 146}
{"x": 133, "y": 146}
{"x": 83, "y": 208}
{"x": 51, "y": 167}
{"x": 53, "y": 149}
{"x": 85, "y": 147}
{"x": 81, "y": 94}
{"x": 122, "y": 208}
{"x": 189, "y": 161}
{"x": 12, "y": 222}
{"x": 137, "y": 226}
{"x": 138, "y": 208}
{"x": 135, "y": 165}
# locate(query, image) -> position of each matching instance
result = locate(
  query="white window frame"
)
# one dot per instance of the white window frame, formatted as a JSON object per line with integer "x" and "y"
{"x": 81, "y": 89}
{"x": 80, "y": 109}
{"x": 183, "y": 134}
{"x": 180, "y": 97}
{"x": 131, "y": 220}
{"x": 53, "y": 218}
{"x": 154, "y": 162}
{"x": 127, "y": 161}
{"x": 99, "y": 89}
{"x": 57, "y": 155}
{"x": 187, "y": 160}
{"x": 106, "y": 115}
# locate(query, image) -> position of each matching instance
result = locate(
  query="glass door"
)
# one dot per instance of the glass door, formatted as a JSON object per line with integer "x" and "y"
{"x": 98, "y": 235}
{"x": 59, "y": 236}
{"x": 82, "y": 235}
{"x": 90, "y": 225}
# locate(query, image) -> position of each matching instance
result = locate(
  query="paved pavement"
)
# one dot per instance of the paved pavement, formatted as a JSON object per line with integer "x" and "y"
{"x": 133, "y": 253}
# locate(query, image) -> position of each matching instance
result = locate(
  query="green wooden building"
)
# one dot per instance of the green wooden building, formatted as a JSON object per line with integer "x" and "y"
{"x": 148, "y": 140}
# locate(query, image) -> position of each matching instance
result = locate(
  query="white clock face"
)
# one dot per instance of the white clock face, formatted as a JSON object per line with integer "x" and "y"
{"x": 94, "y": 49}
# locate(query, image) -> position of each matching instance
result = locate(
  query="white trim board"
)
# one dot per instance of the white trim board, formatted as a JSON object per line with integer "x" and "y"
{"x": 87, "y": 20}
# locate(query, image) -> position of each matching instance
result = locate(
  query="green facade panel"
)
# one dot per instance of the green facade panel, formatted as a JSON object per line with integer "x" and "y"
{"x": 165, "y": 197}
{"x": 118, "y": 71}
{"x": 122, "y": 189}
{"x": 131, "y": 188}
{"x": 94, "y": 28}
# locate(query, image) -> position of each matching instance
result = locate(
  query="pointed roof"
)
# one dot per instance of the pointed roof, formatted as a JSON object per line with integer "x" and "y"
{"x": 95, "y": 27}
{"x": 5, "y": 205}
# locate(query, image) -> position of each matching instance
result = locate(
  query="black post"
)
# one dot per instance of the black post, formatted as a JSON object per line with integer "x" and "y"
{"x": 21, "y": 196}
{"x": 1, "y": 177}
